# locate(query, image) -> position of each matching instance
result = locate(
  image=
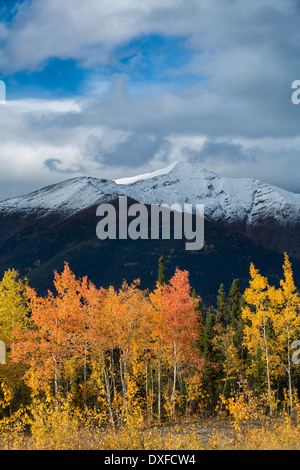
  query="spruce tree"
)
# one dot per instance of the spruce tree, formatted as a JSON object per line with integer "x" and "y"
{"x": 208, "y": 337}
{"x": 235, "y": 303}
{"x": 210, "y": 378}
{"x": 161, "y": 271}
{"x": 221, "y": 315}
{"x": 258, "y": 373}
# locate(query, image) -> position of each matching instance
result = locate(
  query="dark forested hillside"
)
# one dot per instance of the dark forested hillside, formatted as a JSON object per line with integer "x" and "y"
{"x": 37, "y": 245}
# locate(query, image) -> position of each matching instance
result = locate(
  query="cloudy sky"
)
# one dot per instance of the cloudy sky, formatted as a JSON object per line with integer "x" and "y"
{"x": 117, "y": 88}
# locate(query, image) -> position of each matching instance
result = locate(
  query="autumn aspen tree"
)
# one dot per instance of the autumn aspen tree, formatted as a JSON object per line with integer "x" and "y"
{"x": 158, "y": 337}
{"x": 13, "y": 305}
{"x": 182, "y": 326}
{"x": 286, "y": 321}
{"x": 257, "y": 316}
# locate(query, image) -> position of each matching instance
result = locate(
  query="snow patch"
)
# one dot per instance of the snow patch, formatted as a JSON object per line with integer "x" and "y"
{"x": 145, "y": 176}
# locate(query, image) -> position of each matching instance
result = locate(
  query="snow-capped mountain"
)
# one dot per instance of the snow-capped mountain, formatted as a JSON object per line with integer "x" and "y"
{"x": 224, "y": 199}
{"x": 230, "y": 200}
{"x": 246, "y": 220}
{"x": 68, "y": 196}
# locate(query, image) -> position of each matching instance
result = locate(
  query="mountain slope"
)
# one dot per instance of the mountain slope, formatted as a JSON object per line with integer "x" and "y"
{"x": 67, "y": 197}
{"x": 246, "y": 220}
{"x": 267, "y": 215}
{"x": 42, "y": 246}
{"x": 225, "y": 199}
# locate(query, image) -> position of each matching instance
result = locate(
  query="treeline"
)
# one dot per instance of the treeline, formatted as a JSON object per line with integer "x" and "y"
{"x": 152, "y": 355}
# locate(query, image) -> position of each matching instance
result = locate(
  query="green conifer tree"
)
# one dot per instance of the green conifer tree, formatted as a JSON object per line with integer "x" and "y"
{"x": 221, "y": 315}
{"x": 161, "y": 271}
{"x": 210, "y": 379}
{"x": 235, "y": 302}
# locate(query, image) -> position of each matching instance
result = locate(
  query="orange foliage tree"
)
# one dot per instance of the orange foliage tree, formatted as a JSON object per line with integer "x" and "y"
{"x": 115, "y": 340}
{"x": 56, "y": 333}
{"x": 181, "y": 329}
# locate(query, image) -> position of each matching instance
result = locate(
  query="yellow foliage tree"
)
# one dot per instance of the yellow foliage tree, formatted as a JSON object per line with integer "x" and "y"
{"x": 13, "y": 305}
{"x": 13, "y": 313}
{"x": 286, "y": 321}
{"x": 258, "y": 316}
{"x": 223, "y": 341}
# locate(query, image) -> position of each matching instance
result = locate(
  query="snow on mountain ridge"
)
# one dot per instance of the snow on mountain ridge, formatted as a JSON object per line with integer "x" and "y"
{"x": 69, "y": 195}
{"x": 145, "y": 176}
{"x": 225, "y": 199}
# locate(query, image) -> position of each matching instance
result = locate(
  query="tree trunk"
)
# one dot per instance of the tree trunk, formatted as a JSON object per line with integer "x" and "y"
{"x": 268, "y": 370}
{"x": 108, "y": 391}
{"x": 174, "y": 379}
{"x": 290, "y": 374}
{"x": 55, "y": 376}
{"x": 159, "y": 389}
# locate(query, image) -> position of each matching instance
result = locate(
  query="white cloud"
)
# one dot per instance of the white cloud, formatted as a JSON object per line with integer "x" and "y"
{"x": 89, "y": 31}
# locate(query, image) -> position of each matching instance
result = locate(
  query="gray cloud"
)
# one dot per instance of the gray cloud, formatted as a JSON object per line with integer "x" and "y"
{"x": 130, "y": 152}
{"x": 222, "y": 151}
{"x": 56, "y": 165}
{"x": 245, "y": 55}
{"x": 52, "y": 163}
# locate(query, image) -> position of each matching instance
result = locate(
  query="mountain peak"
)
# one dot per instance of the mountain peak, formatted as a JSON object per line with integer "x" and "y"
{"x": 224, "y": 199}
{"x": 67, "y": 196}
{"x": 184, "y": 169}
